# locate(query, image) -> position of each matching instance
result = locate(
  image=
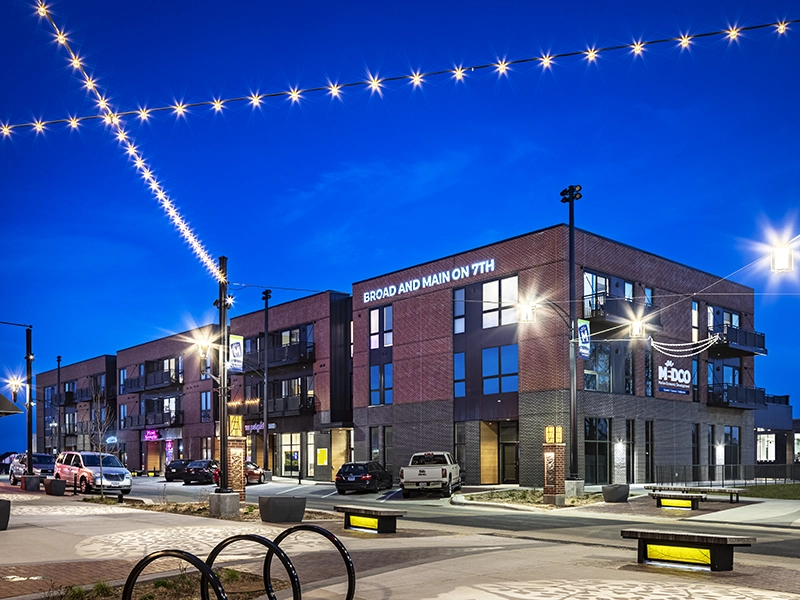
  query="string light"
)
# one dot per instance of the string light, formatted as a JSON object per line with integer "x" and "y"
{"x": 73, "y": 122}
{"x": 60, "y": 37}
{"x": 180, "y": 108}
{"x": 376, "y": 84}
{"x": 42, "y": 10}
{"x": 38, "y": 126}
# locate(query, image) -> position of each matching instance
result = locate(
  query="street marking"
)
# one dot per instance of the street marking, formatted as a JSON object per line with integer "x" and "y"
{"x": 289, "y": 490}
{"x": 331, "y": 494}
{"x": 388, "y": 495}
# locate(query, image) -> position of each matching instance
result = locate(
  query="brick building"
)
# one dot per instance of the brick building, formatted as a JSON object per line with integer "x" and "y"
{"x": 470, "y": 353}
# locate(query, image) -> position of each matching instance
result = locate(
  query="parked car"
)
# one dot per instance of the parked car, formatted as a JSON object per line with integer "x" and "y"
{"x": 175, "y": 469}
{"x": 431, "y": 471}
{"x": 43, "y": 466}
{"x": 252, "y": 472}
{"x": 201, "y": 471}
{"x": 94, "y": 470}
{"x": 365, "y": 476}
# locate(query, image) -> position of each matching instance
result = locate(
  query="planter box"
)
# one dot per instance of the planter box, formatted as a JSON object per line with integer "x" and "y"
{"x": 282, "y": 509}
{"x": 30, "y": 483}
{"x": 617, "y": 492}
{"x": 55, "y": 487}
{"x": 225, "y": 505}
{"x": 5, "y": 512}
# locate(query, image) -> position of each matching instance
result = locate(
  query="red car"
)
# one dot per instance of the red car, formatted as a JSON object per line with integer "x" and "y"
{"x": 252, "y": 473}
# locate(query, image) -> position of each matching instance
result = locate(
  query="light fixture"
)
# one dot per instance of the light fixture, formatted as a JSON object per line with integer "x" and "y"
{"x": 637, "y": 329}
{"x": 782, "y": 259}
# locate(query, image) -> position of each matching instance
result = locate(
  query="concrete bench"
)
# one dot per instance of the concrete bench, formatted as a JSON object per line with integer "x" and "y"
{"x": 732, "y": 492}
{"x": 697, "y": 549}
{"x": 374, "y": 520}
{"x": 677, "y": 499}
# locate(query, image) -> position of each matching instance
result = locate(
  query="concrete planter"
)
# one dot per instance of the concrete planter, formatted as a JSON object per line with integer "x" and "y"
{"x": 5, "y": 512}
{"x": 30, "y": 483}
{"x": 224, "y": 504}
{"x": 617, "y": 492}
{"x": 282, "y": 509}
{"x": 55, "y": 487}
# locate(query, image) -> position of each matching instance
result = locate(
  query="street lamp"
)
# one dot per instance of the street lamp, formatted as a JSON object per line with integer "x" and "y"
{"x": 570, "y": 195}
{"x": 265, "y": 349}
{"x": 781, "y": 259}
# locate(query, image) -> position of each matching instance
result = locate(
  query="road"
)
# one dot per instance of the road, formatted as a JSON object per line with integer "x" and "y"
{"x": 566, "y": 525}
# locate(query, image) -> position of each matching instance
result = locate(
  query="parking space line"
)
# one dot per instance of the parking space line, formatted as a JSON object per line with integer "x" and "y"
{"x": 331, "y": 494}
{"x": 289, "y": 490}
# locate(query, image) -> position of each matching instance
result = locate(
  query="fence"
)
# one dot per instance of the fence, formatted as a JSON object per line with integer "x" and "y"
{"x": 727, "y": 475}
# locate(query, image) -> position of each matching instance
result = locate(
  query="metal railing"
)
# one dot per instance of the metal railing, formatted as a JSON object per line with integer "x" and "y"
{"x": 727, "y": 475}
{"x": 737, "y": 337}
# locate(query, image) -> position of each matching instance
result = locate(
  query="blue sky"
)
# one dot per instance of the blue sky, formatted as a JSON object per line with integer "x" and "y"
{"x": 317, "y": 194}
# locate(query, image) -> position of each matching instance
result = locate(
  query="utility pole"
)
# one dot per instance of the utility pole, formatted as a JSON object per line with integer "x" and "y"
{"x": 29, "y": 404}
{"x": 59, "y": 404}
{"x": 265, "y": 348}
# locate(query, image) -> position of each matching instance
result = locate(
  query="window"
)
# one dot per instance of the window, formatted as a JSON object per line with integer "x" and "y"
{"x": 381, "y": 327}
{"x": 695, "y": 386}
{"x": 123, "y": 413}
{"x": 595, "y": 288}
{"x": 459, "y": 376}
{"x": 500, "y": 368}
{"x": 374, "y": 444}
{"x": 500, "y": 300}
{"x": 765, "y": 447}
{"x": 712, "y": 452}
{"x": 458, "y": 311}
{"x": 597, "y": 368}
{"x": 733, "y": 456}
{"x": 205, "y": 448}
{"x": 695, "y": 322}
{"x": 388, "y": 443}
{"x": 205, "y": 407}
{"x": 730, "y": 374}
{"x": 630, "y": 451}
{"x": 310, "y": 449}
{"x": 648, "y": 373}
{"x": 696, "y": 475}
{"x": 648, "y": 296}
{"x": 629, "y": 382}
{"x": 460, "y": 443}
{"x": 49, "y": 393}
{"x": 381, "y": 384}
{"x": 629, "y": 291}
{"x": 123, "y": 375}
{"x": 649, "y": 452}
{"x": 597, "y": 450}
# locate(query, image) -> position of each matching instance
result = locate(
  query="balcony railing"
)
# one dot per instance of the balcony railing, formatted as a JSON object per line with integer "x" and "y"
{"x": 290, "y": 406}
{"x": 736, "y": 396}
{"x": 154, "y": 419}
{"x": 735, "y": 341}
{"x": 291, "y": 353}
{"x": 618, "y": 310}
{"x": 134, "y": 384}
{"x": 727, "y": 475}
{"x": 154, "y": 380}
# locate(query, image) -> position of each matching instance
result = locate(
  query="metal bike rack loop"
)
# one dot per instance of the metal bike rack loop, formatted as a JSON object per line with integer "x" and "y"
{"x": 208, "y": 574}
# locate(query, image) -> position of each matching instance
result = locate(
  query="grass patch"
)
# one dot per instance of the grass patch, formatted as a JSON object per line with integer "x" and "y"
{"x": 530, "y": 497}
{"x": 781, "y": 491}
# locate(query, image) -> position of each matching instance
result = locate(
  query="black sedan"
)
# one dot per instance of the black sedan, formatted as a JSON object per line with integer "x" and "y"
{"x": 364, "y": 476}
{"x": 175, "y": 469}
{"x": 200, "y": 470}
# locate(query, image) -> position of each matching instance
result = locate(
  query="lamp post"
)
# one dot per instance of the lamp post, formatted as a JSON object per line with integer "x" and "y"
{"x": 570, "y": 195}
{"x": 58, "y": 405}
{"x": 266, "y": 296}
{"x": 222, "y": 305}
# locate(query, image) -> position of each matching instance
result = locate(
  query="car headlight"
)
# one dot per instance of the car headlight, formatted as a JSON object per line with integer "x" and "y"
{"x": 98, "y": 478}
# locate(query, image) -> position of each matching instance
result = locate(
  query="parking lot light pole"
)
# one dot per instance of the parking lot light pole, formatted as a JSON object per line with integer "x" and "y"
{"x": 265, "y": 349}
{"x": 29, "y": 402}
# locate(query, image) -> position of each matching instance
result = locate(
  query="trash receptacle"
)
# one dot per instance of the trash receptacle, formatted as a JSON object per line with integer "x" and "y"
{"x": 617, "y": 492}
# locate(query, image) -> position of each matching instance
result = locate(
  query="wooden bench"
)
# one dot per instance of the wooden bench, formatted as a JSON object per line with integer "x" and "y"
{"x": 374, "y": 520}
{"x": 702, "y": 549}
{"x": 732, "y": 492}
{"x": 677, "y": 499}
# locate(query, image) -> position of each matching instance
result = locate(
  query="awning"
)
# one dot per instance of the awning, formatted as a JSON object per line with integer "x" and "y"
{"x": 7, "y": 407}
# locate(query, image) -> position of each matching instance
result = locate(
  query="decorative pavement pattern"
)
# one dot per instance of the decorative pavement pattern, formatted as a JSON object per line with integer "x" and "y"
{"x": 606, "y": 590}
{"x": 75, "y": 510}
{"x": 16, "y": 497}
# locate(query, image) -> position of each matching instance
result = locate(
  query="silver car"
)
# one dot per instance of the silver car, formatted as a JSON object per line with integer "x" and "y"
{"x": 84, "y": 468}
{"x": 43, "y": 466}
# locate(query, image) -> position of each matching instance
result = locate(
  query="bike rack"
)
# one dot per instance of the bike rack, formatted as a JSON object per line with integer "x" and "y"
{"x": 273, "y": 549}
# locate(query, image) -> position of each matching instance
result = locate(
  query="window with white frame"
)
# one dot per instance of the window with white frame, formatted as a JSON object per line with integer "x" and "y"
{"x": 500, "y": 302}
{"x": 765, "y": 447}
{"x": 381, "y": 327}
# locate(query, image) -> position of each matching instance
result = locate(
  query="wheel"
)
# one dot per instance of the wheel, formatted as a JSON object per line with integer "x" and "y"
{"x": 263, "y": 478}
{"x": 406, "y": 493}
{"x": 85, "y": 487}
{"x": 447, "y": 491}
{"x": 125, "y": 492}
{"x": 341, "y": 492}
{"x": 12, "y": 478}
{"x": 169, "y": 479}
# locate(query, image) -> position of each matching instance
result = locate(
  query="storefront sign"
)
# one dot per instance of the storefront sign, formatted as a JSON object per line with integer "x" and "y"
{"x": 584, "y": 335}
{"x": 673, "y": 380}
{"x": 112, "y": 439}
{"x": 253, "y": 427}
{"x": 236, "y": 354}
{"x": 235, "y": 425}
{"x": 151, "y": 435}
{"x": 322, "y": 456}
{"x": 457, "y": 274}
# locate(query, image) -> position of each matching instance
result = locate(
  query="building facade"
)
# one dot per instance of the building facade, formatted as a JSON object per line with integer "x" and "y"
{"x": 471, "y": 353}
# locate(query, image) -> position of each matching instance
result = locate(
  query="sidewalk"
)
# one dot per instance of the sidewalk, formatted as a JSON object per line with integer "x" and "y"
{"x": 54, "y": 542}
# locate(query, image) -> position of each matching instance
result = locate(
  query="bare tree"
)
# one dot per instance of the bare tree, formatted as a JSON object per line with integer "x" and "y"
{"x": 101, "y": 419}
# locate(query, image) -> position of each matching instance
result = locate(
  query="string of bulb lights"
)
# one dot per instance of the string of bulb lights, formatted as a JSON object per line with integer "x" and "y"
{"x": 109, "y": 117}
{"x": 374, "y": 83}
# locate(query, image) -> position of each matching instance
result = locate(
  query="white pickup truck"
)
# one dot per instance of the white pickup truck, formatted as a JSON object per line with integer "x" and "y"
{"x": 431, "y": 471}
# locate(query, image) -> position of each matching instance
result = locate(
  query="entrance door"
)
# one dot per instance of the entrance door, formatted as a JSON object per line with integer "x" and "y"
{"x": 509, "y": 466}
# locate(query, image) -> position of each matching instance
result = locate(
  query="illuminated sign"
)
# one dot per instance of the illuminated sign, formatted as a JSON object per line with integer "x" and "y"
{"x": 151, "y": 435}
{"x": 457, "y": 274}
{"x": 235, "y": 425}
{"x": 674, "y": 380}
{"x": 236, "y": 354}
{"x": 112, "y": 439}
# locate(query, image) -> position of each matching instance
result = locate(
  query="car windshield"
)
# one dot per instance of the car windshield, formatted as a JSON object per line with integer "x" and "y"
{"x": 198, "y": 464}
{"x": 93, "y": 460}
{"x": 429, "y": 459}
{"x": 43, "y": 459}
{"x": 352, "y": 469}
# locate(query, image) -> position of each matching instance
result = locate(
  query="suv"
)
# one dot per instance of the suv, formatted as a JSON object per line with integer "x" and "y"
{"x": 363, "y": 476}
{"x": 42, "y": 466}
{"x": 84, "y": 467}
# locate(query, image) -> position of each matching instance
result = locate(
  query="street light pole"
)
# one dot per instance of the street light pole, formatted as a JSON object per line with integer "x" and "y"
{"x": 222, "y": 305}
{"x": 570, "y": 195}
{"x": 58, "y": 406}
{"x": 265, "y": 348}
{"x": 29, "y": 403}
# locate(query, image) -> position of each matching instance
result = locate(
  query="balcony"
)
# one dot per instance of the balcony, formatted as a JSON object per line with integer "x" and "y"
{"x": 736, "y": 342}
{"x": 152, "y": 381}
{"x": 246, "y": 408}
{"x": 727, "y": 395}
{"x": 134, "y": 384}
{"x": 290, "y": 354}
{"x": 291, "y": 406}
{"x": 603, "y": 308}
{"x": 154, "y": 419}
